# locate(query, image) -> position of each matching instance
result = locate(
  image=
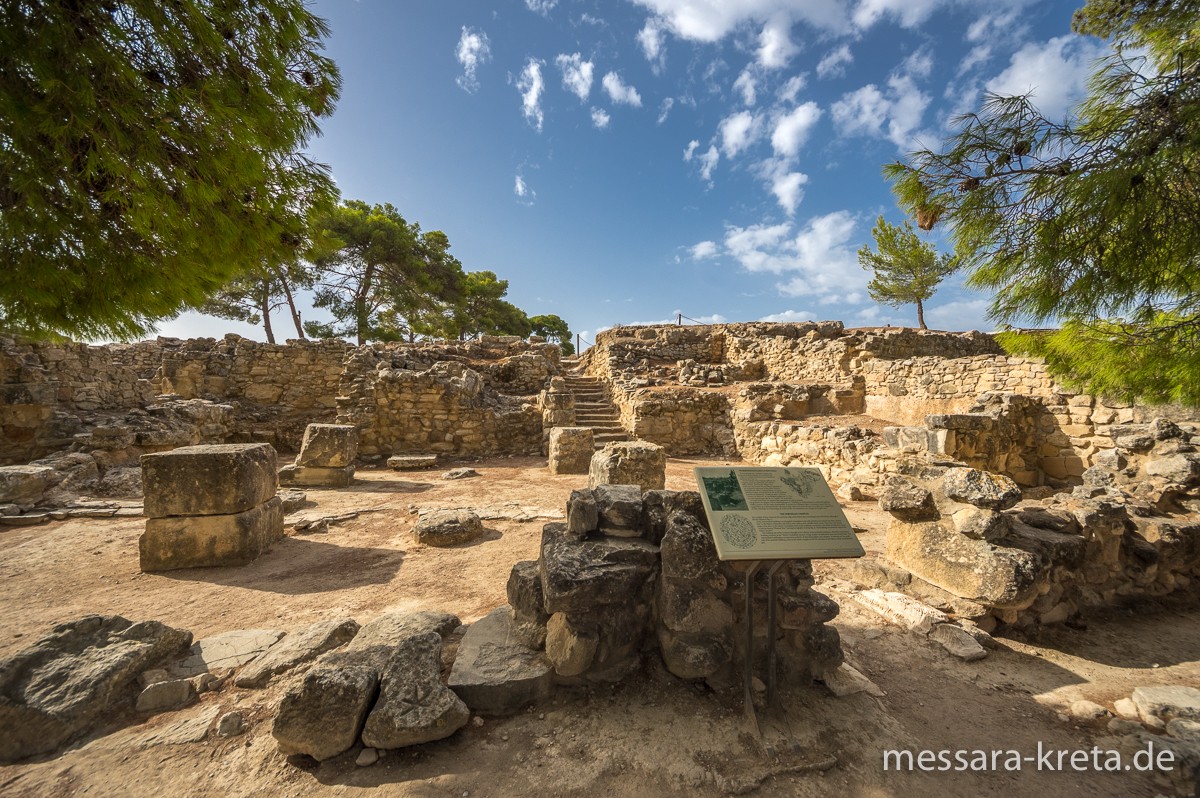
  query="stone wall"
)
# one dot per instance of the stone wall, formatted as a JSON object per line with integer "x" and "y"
{"x": 52, "y": 393}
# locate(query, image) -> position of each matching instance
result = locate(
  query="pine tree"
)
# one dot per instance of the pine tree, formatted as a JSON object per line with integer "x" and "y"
{"x": 907, "y": 269}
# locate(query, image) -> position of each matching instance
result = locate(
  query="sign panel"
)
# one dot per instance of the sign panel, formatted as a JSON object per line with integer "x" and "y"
{"x": 759, "y": 513}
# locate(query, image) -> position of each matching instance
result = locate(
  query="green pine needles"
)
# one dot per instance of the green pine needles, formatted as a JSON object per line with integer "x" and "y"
{"x": 150, "y": 152}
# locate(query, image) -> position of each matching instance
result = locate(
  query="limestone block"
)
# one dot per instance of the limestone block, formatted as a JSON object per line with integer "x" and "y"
{"x": 82, "y": 670}
{"x": 385, "y": 631}
{"x": 683, "y": 607}
{"x": 583, "y": 516}
{"x": 221, "y": 479}
{"x": 619, "y": 508}
{"x": 323, "y": 715}
{"x": 982, "y": 524}
{"x": 495, "y": 675}
{"x": 524, "y": 590}
{"x": 694, "y": 656}
{"x": 902, "y": 610}
{"x": 414, "y": 706}
{"x": 687, "y": 549}
{"x": 328, "y": 446}
{"x": 411, "y": 462}
{"x": 570, "y": 648}
{"x": 165, "y": 696}
{"x": 578, "y": 576}
{"x": 316, "y": 477}
{"x": 981, "y": 488}
{"x": 629, "y": 463}
{"x": 1180, "y": 468}
{"x": 210, "y": 540}
{"x": 24, "y": 484}
{"x": 1167, "y": 702}
{"x": 907, "y": 500}
{"x": 447, "y": 527}
{"x": 571, "y": 450}
{"x": 300, "y": 646}
{"x": 957, "y": 641}
{"x": 224, "y": 651}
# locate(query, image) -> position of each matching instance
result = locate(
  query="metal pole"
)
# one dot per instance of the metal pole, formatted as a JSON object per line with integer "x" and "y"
{"x": 771, "y": 625}
{"x": 748, "y": 665}
{"x": 679, "y": 319}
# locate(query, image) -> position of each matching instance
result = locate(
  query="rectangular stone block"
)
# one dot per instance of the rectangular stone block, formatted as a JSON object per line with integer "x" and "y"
{"x": 208, "y": 480}
{"x": 203, "y": 541}
{"x": 570, "y": 450}
{"x": 312, "y": 477}
{"x": 328, "y": 446}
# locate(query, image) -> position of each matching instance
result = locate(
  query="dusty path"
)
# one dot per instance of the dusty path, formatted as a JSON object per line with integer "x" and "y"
{"x": 653, "y": 735}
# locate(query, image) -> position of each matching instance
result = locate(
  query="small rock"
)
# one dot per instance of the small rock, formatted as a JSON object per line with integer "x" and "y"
{"x": 1125, "y": 708}
{"x": 447, "y": 527}
{"x": 460, "y": 473}
{"x": 165, "y": 696}
{"x": 957, "y": 641}
{"x": 205, "y": 682}
{"x": 845, "y": 680}
{"x": 231, "y": 724}
{"x": 367, "y": 757}
{"x": 1184, "y": 729}
{"x": 1089, "y": 712}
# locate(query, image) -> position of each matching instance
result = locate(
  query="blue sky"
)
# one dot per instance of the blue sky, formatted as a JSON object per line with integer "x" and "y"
{"x": 621, "y": 161}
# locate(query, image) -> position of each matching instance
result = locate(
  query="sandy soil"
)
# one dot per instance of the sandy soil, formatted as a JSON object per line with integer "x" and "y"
{"x": 652, "y": 735}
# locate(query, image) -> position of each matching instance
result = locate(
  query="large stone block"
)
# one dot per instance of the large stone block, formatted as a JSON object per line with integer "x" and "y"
{"x": 316, "y": 477}
{"x": 981, "y": 488}
{"x": 571, "y": 450}
{"x": 414, "y": 706}
{"x": 495, "y": 675}
{"x": 323, "y": 715}
{"x": 210, "y": 540}
{"x": 578, "y": 576}
{"x": 65, "y": 682}
{"x": 208, "y": 480}
{"x": 25, "y": 484}
{"x": 629, "y": 463}
{"x": 328, "y": 446}
{"x": 447, "y": 527}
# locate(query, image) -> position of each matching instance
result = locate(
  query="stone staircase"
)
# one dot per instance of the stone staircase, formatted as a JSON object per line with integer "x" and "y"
{"x": 594, "y": 409}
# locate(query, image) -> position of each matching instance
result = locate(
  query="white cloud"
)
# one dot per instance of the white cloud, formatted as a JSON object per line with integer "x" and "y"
{"x": 791, "y": 316}
{"x": 712, "y": 20}
{"x": 834, "y": 63}
{"x": 976, "y": 56}
{"x": 792, "y": 129}
{"x": 576, "y": 74}
{"x": 747, "y": 87}
{"x": 705, "y": 249}
{"x": 618, "y": 92}
{"x": 819, "y": 257}
{"x": 919, "y": 64}
{"x": 600, "y": 118}
{"x": 1054, "y": 72}
{"x": 652, "y": 37}
{"x": 691, "y": 149}
{"x": 664, "y": 110}
{"x": 531, "y": 85}
{"x": 708, "y": 162}
{"x": 473, "y": 50}
{"x": 866, "y": 111}
{"x": 737, "y": 132}
{"x": 525, "y": 194}
{"x": 775, "y": 46}
{"x": 909, "y": 13}
{"x": 541, "y": 6}
{"x": 788, "y": 190}
{"x": 792, "y": 87}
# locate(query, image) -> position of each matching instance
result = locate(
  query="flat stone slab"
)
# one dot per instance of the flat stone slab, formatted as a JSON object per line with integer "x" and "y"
{"x": 957, "y": 641}
{"x": 225, "y": 651}
{"x": 204, "y": 541}
{"x": 411, "y": 462}
{"x": 192, "y": 730}
{"x": 493, "y": 674}
{"x": 316, "y": 477}
{"x": 447, "y": 527}
{"x": 208, "y": 480}
{"x": 1168, "y": 702}
{"x": 902, "y": 610}
{"x": 301, "y": 646}
{"x": 328, "y": 446}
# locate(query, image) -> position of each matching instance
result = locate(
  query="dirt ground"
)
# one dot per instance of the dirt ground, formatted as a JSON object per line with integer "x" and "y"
{"x": 652, "y": 735}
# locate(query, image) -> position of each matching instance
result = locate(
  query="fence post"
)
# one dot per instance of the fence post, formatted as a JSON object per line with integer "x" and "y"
{"x": 679, "y": 319}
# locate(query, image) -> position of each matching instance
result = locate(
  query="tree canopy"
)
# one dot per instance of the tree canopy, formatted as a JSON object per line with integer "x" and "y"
{"x": 150, "y": 152}
{"x": 907, "y": 269}
{"x": 1092, "y": 222}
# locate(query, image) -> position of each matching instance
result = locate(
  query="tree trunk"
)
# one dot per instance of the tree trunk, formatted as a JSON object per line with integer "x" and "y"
{"x": 921, "y": 315}
{"x": 287, "y": 291}
{"x": 264, "y": 307}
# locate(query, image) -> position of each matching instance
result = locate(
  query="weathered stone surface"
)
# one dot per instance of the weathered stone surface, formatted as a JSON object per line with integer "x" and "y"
{"x": 494, "y": 675}
{"x": 583, "y": 516}
{"x": 902, "y": 610}
{"x": 659, "y": 505}
{"x": 292, "y": 500}
{"x": 66, "y": 681}
{"x": 1180, "y": 468}
{"x": 578, "y": 576}
{"x": 569, "y": 648}
{"x": 387, "y": 630}
{"x": 694, "y": 656}
{"x": 447, "y": 527}
{"x": 1167, "y": 702}
{"x": 323, "y": 715}
{"x": 687, "y": 549}
{"x": 982, "y": 524}
{"x": 685, "y": 607}
{"x": 414, "y": 706}
{"x": 1086, "y": 711}
{"x": 907, "y": 501}
{"x": 845, "y": 680}
{"x": 165, "y": 696}
{"x": 328, "y": 446}
{"x": 314, "y": 477}
{"x": 571, "y": 450}
{"x": 629, "y": 463}
{"x": 202, "y": 541}
{"x": 24, "y": 484}
{"x": 411, "y": 462}
{"x": 300, "y": 646}
{"x": 998, "y": 576}
{"x": 957, "y": 641}
{"x": 188, "y": 730}
{"x": 225, "y": 651}
{"x": 981, "y": 488}
{"x": 221, "y": 479}
{"x": 619, "y": 508}
{"x": 524, "y": 589}
{"x": 231, "y": 724}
